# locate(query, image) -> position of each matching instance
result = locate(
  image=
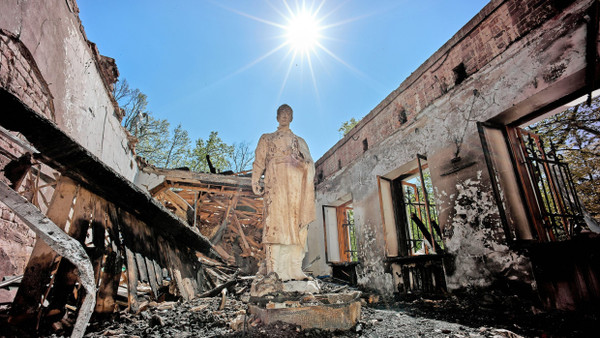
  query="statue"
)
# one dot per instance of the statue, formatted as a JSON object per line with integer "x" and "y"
{"x": 289, "y": 202}
{"x": 288, "y": 192}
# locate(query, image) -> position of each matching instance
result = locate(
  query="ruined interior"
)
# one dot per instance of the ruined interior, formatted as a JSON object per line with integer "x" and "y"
{"x": 441, "y": 194}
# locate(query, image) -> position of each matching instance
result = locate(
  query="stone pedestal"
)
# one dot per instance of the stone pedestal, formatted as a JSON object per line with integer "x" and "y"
{"x": 300, "y": 303}
{"x": 323, "y": 311}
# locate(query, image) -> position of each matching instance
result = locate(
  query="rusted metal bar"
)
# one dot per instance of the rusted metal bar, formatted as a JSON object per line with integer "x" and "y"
{"x": 64, "y": 245}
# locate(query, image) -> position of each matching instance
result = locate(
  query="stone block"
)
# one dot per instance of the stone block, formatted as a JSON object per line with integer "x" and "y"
{"x": 331, "y": 312}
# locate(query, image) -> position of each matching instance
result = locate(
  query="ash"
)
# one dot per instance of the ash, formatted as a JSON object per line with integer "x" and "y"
{"x": 226, "y": 316}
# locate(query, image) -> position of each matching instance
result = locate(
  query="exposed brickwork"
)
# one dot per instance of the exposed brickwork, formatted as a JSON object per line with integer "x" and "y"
{"x": 485, "y": 37}
{"x": 16, "y": 243}
{"x": 20, "y": 75}
{"x": 16, "y": 238}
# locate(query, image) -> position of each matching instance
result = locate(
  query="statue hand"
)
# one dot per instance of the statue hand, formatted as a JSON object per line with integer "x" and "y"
{"x": 257, "y": 189}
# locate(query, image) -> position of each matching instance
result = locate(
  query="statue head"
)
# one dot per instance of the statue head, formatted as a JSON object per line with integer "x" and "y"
{"x": 285, "y": 115}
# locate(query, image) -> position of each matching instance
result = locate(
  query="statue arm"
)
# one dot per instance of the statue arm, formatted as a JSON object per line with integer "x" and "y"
{"x": 258, "y": 167}
{"x": 304, "y": 150}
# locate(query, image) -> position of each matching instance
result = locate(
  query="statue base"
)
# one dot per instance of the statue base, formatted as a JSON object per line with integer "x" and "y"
{"x": 323, "y": 311}
{"x": 300, "y": 303}
{"x": 271, "y": 285}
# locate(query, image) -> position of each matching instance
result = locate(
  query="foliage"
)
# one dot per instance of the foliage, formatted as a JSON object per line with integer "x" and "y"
{"x": 133, "y": 103}
{"x": 153, "y": 138}
{"x": 219, "y": 152}
{"x": 156, "y": 143}
{"x": 178, "y": 150}
{"x": 167, "y": 148}
{"x": 352, "y": 234}
{"x": 575, "y": 134}
{"x": 347, "y": 126}
{"x": 414, "y": 201}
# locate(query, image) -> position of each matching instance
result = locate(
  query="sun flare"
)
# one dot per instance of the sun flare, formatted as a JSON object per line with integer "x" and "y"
{"x": 302, "y": 32}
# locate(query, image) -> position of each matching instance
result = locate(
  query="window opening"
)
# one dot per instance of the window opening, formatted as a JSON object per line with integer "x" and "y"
{"x": 340, "y": 233}
{"x": 422, "y": 233}
{"x": 556, "y": 161}
{"x": 409, "y": 211}
{"x": 553, "y": 190}
{"x": 351, "y": 230}
{"x": 413, "y": 243}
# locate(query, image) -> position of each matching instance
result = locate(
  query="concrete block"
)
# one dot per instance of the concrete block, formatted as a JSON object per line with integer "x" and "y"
{"x": 332, "y": 312}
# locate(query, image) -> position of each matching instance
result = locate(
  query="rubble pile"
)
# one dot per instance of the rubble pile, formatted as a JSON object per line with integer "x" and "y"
{"x": 199, "y": 317}
{"x": 494, "y": 308}
{"x": 226, "y": 315}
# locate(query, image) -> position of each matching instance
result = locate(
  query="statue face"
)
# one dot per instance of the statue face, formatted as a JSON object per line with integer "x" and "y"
{"x": 285, "y": 117}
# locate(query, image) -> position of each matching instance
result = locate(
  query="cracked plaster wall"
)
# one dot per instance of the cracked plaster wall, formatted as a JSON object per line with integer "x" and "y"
{"x": 538, "y": 62}
{"x": 47, "y": 62}
{"x": 52, "y": 32}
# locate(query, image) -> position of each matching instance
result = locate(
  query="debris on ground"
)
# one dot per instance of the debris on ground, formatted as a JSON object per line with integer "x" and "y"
{"x": 226, "y": 315}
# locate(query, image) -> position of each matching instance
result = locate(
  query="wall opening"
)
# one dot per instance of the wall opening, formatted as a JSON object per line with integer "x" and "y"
{"x": 545, "y": 172}
{"x": 555, "y": 161}
{"x": 341, "y": 247}
{"x": 460, "y": 73}
{"x": 415, "y": 216}
{"x": 414, "y": 245}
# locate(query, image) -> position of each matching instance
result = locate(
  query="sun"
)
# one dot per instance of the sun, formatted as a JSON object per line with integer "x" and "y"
{"x": 303, "y": 31}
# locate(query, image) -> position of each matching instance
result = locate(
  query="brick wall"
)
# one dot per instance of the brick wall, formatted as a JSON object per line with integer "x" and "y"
{"x": 20, "y": 75}
{"x": 16, "y": 238}
{"x": 481, "y": 40}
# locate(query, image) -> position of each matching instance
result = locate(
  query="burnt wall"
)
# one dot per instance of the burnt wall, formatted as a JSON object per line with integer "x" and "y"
{"x": 47, "y": 61}
{"x": 510, "y": 60}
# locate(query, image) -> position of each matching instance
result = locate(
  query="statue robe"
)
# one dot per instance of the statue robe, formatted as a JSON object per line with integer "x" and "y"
{"x": 289, "y": 195}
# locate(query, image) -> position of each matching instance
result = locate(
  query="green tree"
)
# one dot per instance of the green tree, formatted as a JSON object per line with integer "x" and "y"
{"x": 575, "y": 134}
{"x": 155, "y": 142}
{"x": 133, "y": 103}
{"x": 178, "y": 148}
{"x": 219, "y": 152}
{"x": 347, "y": 126}
{"x": 153, "y": 138}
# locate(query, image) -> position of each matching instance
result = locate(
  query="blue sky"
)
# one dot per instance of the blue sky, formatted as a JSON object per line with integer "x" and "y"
{"x": 220, "y": 65}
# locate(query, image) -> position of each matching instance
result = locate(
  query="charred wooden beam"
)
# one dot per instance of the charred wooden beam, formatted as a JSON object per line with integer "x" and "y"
{"x": 204, "y": 178}
{"x": 64, "y": 245}
{"x": 132, "y": 280}
{"x": 211, "y": 293}
{"x": 38, "y": 271}
{"x": 152, "y": 277}
{"x": 232, "y": 204}
{"x": 61, "y": 152}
